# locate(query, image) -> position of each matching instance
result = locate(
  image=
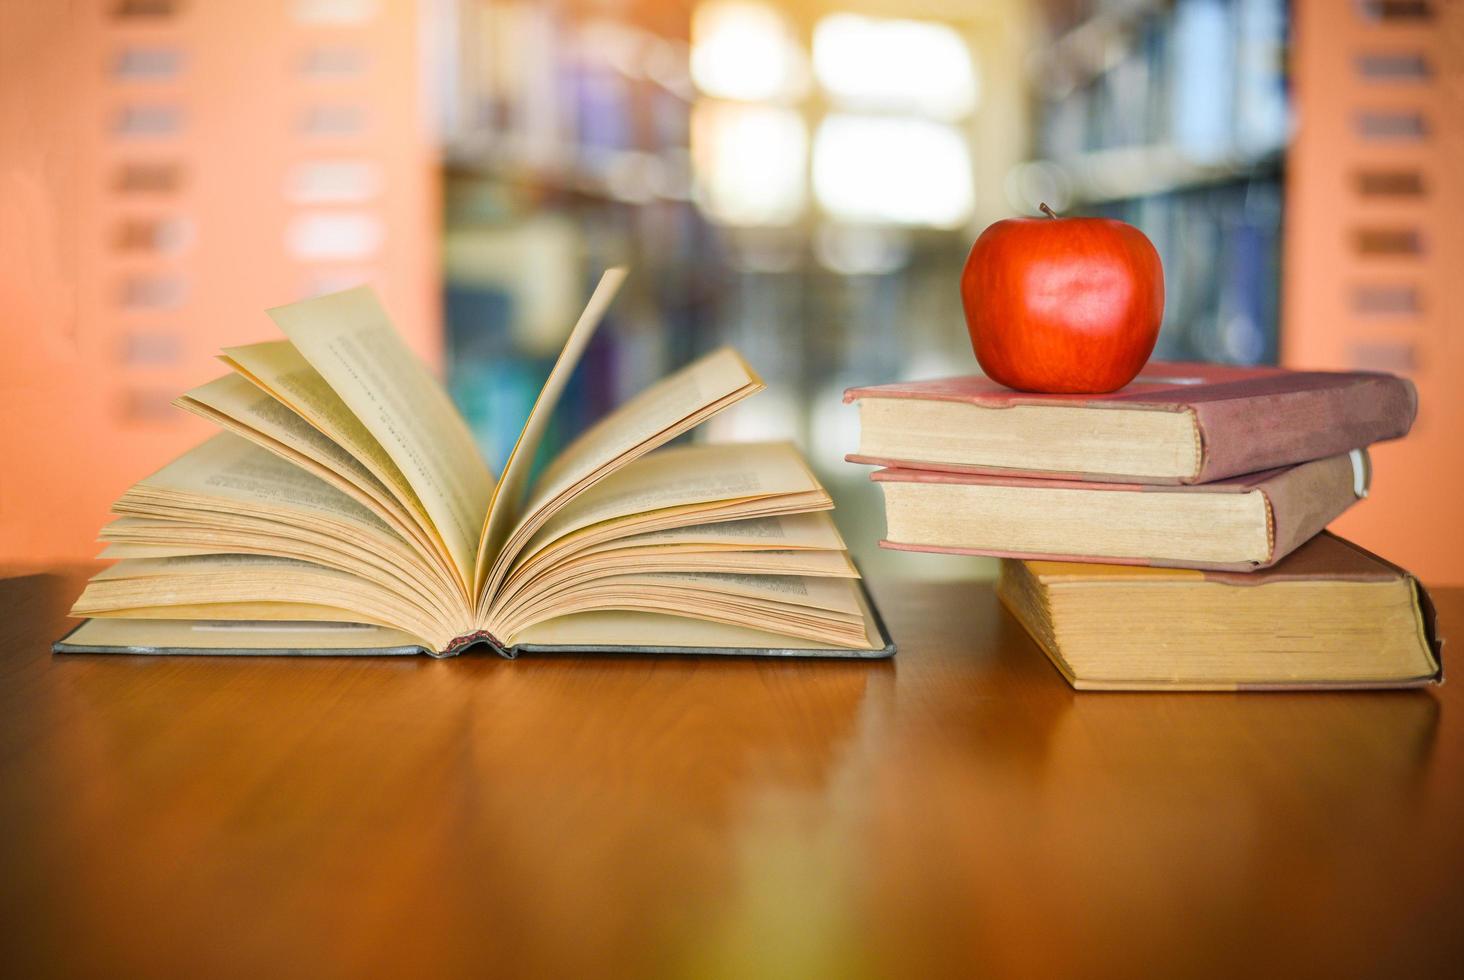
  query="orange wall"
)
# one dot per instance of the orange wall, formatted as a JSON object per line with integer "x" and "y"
{"x": 115, "y": 296}
{"x": 1372, "y": 279}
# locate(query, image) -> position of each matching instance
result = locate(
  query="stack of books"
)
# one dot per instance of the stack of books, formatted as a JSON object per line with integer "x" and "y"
{"x": 1171, "y": 534}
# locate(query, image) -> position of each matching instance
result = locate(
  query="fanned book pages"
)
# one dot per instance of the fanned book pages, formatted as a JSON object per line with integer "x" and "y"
{"x": 345, "y": 509}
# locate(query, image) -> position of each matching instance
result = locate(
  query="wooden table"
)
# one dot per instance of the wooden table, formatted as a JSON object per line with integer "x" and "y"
{"x": 959, "y": 810}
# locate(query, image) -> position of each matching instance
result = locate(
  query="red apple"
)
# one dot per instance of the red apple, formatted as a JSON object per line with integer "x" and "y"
{"x": 1069, "y": 305}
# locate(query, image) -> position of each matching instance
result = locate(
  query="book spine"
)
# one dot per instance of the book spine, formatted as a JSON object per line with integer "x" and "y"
{"x": 1247, "y": 435}
{"x": 1302, "y": 500}
{"x": 467, "y": 640}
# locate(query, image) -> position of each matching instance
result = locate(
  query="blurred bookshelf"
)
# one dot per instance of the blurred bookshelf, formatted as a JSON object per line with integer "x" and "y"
{"x": 766, "y": 194}
{"x": 801, "y": 181}
{"x": 1174, "y": 116}
{"x": 566, "y": 151}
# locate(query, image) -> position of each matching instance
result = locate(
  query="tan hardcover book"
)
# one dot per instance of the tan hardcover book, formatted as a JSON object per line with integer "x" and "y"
{"x": 1238, "y": 524}
{"x": 345, "y": 509}
{"x": 1329, "y": 616}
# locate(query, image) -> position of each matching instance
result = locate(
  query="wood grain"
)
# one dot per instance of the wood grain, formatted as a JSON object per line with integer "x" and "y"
{"x": 956, "y": 811}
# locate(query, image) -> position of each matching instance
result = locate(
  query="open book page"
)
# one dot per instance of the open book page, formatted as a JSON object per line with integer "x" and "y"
{"x": 670, "y": 488}
{"x": 527, "y": 571}
{"x": 579, "y": 572}
{"x": 785, "y": 532}
{"x": 235, "y": 404}
{"x": 242, "y": 611}
{"x": 244, "y": 477}
{"x": 348, "y": 339}
{"x": 822, "y": 593}
{"x": 279, "y": 370}
{"x": 826, "y": 609}
{"x": 507, "y": 504}
{"x": 213, "y": 579}
{"x": 637, "y": 629}
{"x": 680, "y": 558}
{"x": 233, "y": 397}
{"x": 244, "y": 493}
{"x": 650, "y": 419}
{"x": 255, "y": 578}
{"x": 117, "y": 550}
{"x": 680, "y": 476}
{"x": 244, "y": 576}
{"x": 621, "y": 628}
{"x": 293, "y": 637}
{"x": 179, "y": 533}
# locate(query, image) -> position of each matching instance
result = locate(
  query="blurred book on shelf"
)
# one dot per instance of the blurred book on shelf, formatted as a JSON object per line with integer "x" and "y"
{"x": 1174, "y": 117}
{"x": 566, "y": 143}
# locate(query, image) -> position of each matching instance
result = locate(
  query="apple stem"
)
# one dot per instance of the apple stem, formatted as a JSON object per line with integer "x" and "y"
{"x": 1047, "y": 210}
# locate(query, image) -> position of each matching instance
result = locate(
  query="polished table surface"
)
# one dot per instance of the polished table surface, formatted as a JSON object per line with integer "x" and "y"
{"x": 958, "y": 810}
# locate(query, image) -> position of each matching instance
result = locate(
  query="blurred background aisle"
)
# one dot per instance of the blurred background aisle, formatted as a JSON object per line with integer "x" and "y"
{"x": 800, "y": 180}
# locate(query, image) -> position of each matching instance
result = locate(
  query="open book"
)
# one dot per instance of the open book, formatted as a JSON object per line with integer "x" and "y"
{"x": 345, "y": 509}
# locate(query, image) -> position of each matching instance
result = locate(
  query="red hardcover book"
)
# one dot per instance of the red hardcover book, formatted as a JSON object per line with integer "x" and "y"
{"x": 1175, "y": 424}
{"x": 1237, "y": 524}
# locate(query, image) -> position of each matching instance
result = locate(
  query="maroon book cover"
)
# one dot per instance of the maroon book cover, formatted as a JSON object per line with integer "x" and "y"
{"x": 1246, "y": 419}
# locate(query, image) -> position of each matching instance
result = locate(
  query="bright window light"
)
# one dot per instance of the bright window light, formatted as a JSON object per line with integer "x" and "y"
{"x": 895, "y": 65}
{"x": 746, "y": 51}
{"x": 751, "y": 162}
{"x": 892, "y": 170}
